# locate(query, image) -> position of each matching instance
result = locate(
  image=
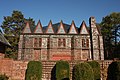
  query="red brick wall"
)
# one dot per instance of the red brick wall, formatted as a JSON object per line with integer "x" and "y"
{"x": 13, "y": 69}
{"x": 2, "y": 55}
{"x": 60, "y": 54}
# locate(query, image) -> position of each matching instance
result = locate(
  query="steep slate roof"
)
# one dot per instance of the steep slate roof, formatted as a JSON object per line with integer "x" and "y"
{"x": 3, "y": 40}
{"x": 27, "y": 28}
{"x": 55, "y": 27}
{"x": 66, "y": 27}
{"x": 38, "y": 28}
{"x": 83, "y": 25}
{"x": 73, "y": 28}
{"x": 49, "y": 29}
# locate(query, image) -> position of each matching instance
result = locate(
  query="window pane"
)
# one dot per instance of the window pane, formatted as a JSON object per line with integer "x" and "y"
{"x": 64, "y": 42}
{"x": 40, "y": 42}
{"x": 35, "y": 42}
{"x": 83, "y": 42}
{"x": 48, "y": 43}
{"x": 87, "y": 42}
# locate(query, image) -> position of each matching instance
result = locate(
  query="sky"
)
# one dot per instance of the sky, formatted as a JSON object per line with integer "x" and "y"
{"x": 57, "y": 10}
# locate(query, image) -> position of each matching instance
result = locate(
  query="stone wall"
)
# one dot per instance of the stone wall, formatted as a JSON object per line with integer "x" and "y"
{"x": 15, "y": 70}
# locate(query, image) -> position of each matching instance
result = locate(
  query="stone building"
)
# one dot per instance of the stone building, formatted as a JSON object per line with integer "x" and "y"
{"x": 3, "y": 44}
{"x": 61, "y": 41}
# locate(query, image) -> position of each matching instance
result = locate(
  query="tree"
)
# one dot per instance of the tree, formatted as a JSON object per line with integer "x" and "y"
{"x": 12, "y": 27}
{"x": 96, "y": 69}
{"x": 114, "y": 71}
{"x": 3, "y": 77}
{"x": 82, "y": 71}
{"x": 62, "y": 70}
{"x": 34, "y": 71}
{"x": 110, "y": 28}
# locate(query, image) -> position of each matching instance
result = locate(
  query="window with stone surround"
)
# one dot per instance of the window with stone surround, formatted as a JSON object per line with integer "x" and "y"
{"x": 27, "y": 42}
{"x": 40, "y": 42}
{"x": 61, "y": 42}
{"x": 37, "y": 42}
{"x": 27, "y": 51}
{"x": 48, "y": 43}
{"x": 76, "y": 43}
{"x": 85, "y": 43}
{"x": 64, "y": 42}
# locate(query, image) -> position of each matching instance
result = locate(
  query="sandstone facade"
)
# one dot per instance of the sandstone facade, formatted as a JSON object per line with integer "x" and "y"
{"x": 61, "y": 42}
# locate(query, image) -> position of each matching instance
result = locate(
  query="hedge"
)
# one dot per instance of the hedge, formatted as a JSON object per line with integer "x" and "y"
{"x": 62, "y": 70}
{"x": 114, "y": 71}
{"x": 34, "y": 71}
{"x": 82, "y": 71}
{"x": 96, "y": 69}
{"x": 3, "y": 77}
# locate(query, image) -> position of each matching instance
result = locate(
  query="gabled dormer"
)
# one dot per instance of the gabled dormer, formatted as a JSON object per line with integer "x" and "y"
{"x": 61, "y": 29}
{"x": 38, "y": 28}
{"x": 27, "y": 28}
{"x": 72, "y": 29}
{"x": 50, "y": 28}
{"x": 83, "y": 28}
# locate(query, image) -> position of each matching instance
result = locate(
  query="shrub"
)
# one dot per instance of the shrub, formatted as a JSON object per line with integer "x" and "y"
{"x": 114, "y": 71}
{"x": 96, "y": 69}
{"x": 82, "y": 71}
{"x": 3, "y": 77}
{"x": 34, "y": 71}
{"x": 62, "y": 70}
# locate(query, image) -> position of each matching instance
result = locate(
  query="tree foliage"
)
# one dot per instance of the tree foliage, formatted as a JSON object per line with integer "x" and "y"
{"x": 96, "y": 69}
{"x": 34, "y": 71}
{"x": 62, "y": 70}
{"x": 114, "y": 71}
{"x": 12, "y": 27}
{"x": 82, "y": 71}
{"x": 110, "y": 28}
{"x": 3, "y": 77}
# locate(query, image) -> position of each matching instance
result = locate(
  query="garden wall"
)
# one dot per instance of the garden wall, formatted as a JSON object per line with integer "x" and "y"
{"x": 15, "y": 70}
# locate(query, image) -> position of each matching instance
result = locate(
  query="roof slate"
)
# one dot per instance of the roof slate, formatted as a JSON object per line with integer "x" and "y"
{"x": 4, "y": 40}
{"x": 66, "y": 27}
{"x": 55, "y": 27}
